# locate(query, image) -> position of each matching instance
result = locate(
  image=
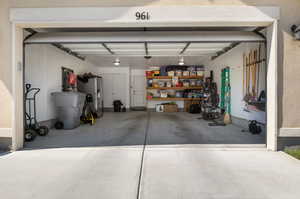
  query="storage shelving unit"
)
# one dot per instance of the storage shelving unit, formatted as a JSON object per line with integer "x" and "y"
{"x": 170, "y": 77}
{"x": 174, "y": 88}
{"x": 173, "y": 99}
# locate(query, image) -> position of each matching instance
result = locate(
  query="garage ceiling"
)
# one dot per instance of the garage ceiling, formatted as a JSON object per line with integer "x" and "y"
{"x": 102, "y": 48}
{"x": 141, "y": 62}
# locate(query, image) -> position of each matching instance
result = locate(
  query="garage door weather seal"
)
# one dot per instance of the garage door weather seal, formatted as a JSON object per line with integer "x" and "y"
{"x": 143, "y": 154}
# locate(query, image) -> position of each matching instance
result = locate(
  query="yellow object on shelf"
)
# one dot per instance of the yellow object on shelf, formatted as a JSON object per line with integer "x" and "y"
{"x": 156, "y": 73}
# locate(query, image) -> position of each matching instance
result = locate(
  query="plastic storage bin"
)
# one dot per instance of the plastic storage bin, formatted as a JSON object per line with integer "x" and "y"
{"x": 69, "y": 107}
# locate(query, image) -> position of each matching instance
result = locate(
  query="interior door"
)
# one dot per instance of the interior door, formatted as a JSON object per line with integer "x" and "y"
{"x": 114, "y": 88}
{"x": 119, "y": 87}
{"x": 138, "y": 85}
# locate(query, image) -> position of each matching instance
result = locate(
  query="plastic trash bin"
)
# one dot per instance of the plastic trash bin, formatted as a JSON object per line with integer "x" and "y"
{"x": 69, "y": 107}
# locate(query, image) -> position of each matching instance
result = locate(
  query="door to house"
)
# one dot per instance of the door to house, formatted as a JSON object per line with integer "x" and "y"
{"x": 114, "y": 88}
{"x": 138, "y": 91}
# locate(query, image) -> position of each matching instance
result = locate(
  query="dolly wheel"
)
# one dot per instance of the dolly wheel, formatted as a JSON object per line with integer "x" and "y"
{"x": 29, "y": 135}
{"x": 43, "y": 130}
{"x": 59, "y": 125}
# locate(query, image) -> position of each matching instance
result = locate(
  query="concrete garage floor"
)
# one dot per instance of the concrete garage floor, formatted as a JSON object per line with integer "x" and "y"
{"x": 121, "y": 166}
{"x": 128, "y": 129}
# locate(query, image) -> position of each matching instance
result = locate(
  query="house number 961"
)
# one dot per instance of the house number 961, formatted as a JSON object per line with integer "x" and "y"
{"x": 142, "y": 16}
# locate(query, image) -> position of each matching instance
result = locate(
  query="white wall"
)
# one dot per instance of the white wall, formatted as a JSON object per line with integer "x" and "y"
{"x": 108, "y": 71}
{"x": 234, "y": 60}
{"x": 43, "y": 70}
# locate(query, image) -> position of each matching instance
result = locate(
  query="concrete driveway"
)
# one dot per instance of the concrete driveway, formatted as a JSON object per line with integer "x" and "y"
{"x": 171, "y": 172}
{"x": 142, "y": 155}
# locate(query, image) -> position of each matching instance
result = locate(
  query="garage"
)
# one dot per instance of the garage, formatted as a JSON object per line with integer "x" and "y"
{"x": 175, "y": 86}
{"x": 189, "y": 80}
{"x": 234, "y": 55}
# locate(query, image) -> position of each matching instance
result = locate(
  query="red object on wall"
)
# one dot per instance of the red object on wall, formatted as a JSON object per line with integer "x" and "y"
{"x": 72, "y": 79}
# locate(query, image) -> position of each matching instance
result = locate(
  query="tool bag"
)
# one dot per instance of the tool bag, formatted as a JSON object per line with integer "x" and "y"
{"x": 195, "y": 108}
{"x": 117, "y": 105}
{"x": 254, "y": 128}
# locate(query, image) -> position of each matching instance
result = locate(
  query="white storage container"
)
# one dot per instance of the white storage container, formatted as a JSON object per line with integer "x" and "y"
{"x": 69, "y": 107}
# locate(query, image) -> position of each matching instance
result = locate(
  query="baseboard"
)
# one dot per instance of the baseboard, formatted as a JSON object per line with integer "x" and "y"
{"x": 289, "y": 132}
{"x": 6, "y": 132}
{"x": 138, "y": 108}
{"x": 108, "y": 109}
{"x": 5, "y": 143}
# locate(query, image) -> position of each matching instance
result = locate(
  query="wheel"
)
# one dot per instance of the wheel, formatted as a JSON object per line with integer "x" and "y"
{"x": 205, "y": 115}
{"x": 59, "y": 125}
{"x": 43, "y": 130}
{"x": 29, "y": 135}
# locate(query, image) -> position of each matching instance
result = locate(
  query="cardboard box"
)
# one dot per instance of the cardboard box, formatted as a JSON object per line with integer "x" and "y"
{"x": 170, "y": 108}
{"x": 187, "y": 105}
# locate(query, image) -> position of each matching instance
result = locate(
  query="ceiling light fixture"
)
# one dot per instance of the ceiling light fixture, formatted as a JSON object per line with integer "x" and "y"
{"x": 147, "y": 57}
{"x": 181, "y": 61}
{"x": 117, "y": 62}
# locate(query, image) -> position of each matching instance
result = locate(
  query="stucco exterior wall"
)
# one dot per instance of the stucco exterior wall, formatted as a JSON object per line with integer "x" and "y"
{"x": 288, "y": 57}
{"x": 5, "y": 67}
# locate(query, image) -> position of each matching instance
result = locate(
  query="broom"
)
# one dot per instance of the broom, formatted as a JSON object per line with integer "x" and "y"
{"x": 227, "y": 116}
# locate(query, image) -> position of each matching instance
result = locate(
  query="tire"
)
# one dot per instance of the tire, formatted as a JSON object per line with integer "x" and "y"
{"x": 205, "y": 116}
{"x": 43, "y": 130}
{"x": 59, "y": 125}
{"x": 29, "y": 135}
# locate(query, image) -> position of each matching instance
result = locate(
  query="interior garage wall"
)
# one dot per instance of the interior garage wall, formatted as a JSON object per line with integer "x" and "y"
{"x": 43, "y": 70}
{"x": 234, "y": 60}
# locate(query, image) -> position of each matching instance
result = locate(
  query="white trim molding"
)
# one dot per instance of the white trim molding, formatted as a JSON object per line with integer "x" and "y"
{"x": 5, "y": 132}
{"x": 159, "y": 16}
{"x": 289, "y": 132}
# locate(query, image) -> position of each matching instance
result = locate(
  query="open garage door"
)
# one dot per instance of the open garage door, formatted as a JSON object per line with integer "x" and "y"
{"x": 152, "y": 36}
